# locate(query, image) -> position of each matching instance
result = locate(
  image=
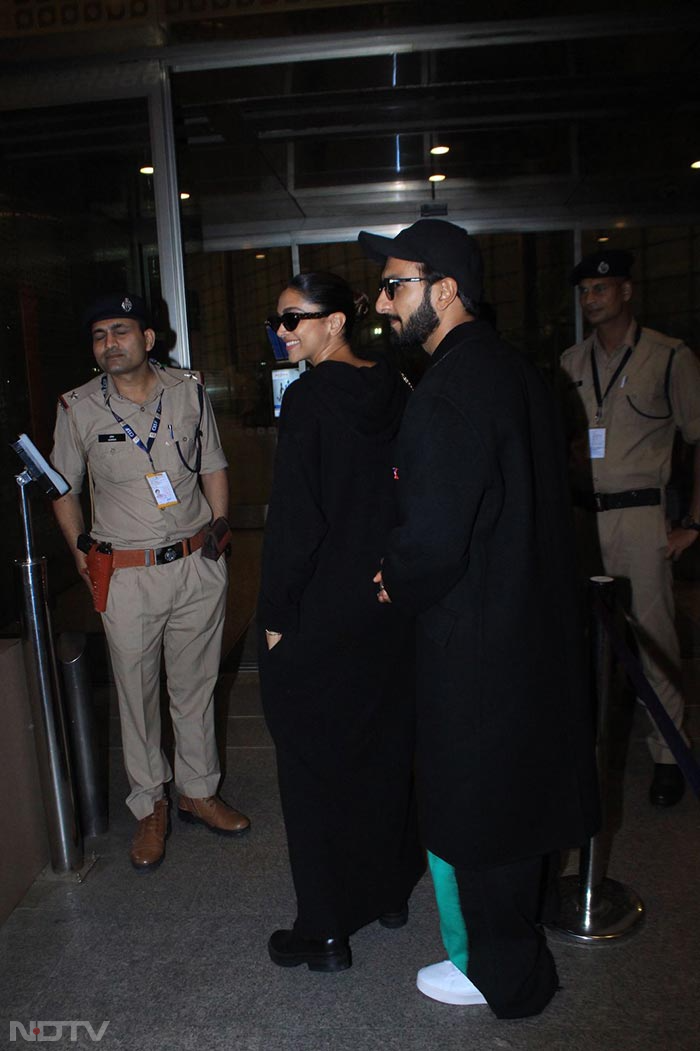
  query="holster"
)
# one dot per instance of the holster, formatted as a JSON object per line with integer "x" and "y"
{"x": 100, "y": 568}
{"x": 217, "y": 539}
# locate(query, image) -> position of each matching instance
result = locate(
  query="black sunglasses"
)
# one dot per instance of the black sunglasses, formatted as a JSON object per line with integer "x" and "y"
{"x": 387, "y": 285}
{"x": 290, "y": 319}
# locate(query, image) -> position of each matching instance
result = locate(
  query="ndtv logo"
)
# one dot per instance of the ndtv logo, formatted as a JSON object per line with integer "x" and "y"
{"x": 38, "y": 1031}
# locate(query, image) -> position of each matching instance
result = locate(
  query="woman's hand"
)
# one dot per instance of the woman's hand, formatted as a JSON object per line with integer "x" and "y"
{"x": 382, "y": 593}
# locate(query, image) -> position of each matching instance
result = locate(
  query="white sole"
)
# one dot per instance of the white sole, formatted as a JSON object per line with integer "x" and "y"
{"x": 463, "y": 999}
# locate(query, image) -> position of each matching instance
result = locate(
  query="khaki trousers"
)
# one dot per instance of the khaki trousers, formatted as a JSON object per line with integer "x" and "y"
{"x": 631, "y": 543}
{"x": 178, "y": 610}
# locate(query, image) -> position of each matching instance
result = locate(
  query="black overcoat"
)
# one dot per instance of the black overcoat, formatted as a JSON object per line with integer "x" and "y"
{"x": 484, "y": 557}
{"x": 338, "y": 690}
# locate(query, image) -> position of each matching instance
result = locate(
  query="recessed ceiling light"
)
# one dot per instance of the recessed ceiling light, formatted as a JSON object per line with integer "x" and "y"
{"x": 259, "y": 255}
{"x": 439, "y": 150}
{"x": 436, "y": 178}
{"x": 184, "y": 196}
{"x": 695, "y": 164}
{"x": 603, "y": 238}
{"x": 147, "y": 169}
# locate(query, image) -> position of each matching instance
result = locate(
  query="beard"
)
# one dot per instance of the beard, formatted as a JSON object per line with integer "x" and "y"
{"x": 419, "y": 326}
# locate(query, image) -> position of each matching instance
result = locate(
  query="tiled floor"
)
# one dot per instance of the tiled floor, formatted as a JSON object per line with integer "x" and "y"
{"x": 176, "y": 959}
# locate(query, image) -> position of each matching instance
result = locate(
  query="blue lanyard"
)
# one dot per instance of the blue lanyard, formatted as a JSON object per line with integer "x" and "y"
{"x": 129, "y": 431}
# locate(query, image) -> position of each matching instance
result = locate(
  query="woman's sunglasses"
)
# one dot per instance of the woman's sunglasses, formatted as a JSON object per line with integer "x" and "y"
{"x": 290, "y": 319}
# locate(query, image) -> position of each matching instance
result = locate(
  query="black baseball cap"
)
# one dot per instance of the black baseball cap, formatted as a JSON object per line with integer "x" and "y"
{"x": 606, "y": 262}
{"x": 444, "y": 247}
{"x": 117, "y": 304}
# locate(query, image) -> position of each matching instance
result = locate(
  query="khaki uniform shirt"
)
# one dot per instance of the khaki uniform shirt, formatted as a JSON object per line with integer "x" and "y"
{"x": 640, "y": 413}
{"x": 125, "y": 512}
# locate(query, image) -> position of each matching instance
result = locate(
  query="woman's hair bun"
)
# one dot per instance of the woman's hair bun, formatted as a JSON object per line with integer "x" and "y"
{"x": 361, "y": 306}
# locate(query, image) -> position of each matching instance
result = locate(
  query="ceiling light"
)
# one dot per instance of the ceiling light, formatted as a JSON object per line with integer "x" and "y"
{"x": 147, "y": 169}
{"x": 603, "y": 238}
{"x": 695, "y": 164}
{"x": 184, "y": 196}
{"x": 439, "y": 150}
{"x": 436, "y": 178}
{"x": 259, "y": 255}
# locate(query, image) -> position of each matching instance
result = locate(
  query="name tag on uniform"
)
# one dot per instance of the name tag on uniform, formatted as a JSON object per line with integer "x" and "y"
{"x": 596, "y": 443}
{"x": 111, "y": 438}
{"x": 162, "y": 489}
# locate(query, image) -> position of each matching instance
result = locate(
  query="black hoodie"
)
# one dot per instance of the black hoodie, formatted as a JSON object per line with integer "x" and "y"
{"x": 333, "y": 498}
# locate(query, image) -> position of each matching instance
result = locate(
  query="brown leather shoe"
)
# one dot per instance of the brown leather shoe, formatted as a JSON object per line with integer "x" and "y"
{"x": 215, "y": 814}
{"x": 148, "y": 846}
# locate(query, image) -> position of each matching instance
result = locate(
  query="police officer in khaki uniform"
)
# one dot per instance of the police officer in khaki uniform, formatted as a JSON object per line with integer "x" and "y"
{"x": 158, "y": 480}
{"x": 628, "y": 390}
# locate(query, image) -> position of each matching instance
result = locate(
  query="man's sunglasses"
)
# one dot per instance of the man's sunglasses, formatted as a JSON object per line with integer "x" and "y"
{"x": 290, "y": 319}
{"x": 387, "y": 285}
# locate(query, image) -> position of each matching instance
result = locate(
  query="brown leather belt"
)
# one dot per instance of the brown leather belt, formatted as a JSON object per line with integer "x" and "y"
{"x": 614, "y": 501}
{"x": 158, "y": 556}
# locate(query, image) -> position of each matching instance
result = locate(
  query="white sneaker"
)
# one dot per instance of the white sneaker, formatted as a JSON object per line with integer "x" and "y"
{"x": 446, "y": 983}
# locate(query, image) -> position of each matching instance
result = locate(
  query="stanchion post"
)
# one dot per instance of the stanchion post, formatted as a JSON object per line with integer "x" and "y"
{"x": 65, "y": 841}
{"x": 595, "y": 908}
{"x": 89, "y": 761}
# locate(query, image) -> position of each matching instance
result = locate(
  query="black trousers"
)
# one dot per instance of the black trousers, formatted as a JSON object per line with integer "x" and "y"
{"x": 509, "y": 961}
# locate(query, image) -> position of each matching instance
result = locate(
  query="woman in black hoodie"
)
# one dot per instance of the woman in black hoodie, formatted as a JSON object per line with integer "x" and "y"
{"x": 336, "y": 666}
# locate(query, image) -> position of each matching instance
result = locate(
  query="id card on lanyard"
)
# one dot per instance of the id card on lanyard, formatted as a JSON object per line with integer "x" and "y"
{"x": 158, "y": 482}
{"x": 596, "y": 443}
{"x": 162, "y": 489}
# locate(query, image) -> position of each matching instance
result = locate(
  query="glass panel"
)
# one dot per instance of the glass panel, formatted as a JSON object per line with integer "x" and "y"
{"x": 229, "y": 296}
{"x": 77, "y": 219}
{"x": 527, "y": 292}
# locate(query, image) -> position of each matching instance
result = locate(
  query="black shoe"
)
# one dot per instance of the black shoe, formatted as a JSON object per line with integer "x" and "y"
{"x": 288, "y": 949}
{"x": 394, "y": 920}
{"x": 667, "y": 786}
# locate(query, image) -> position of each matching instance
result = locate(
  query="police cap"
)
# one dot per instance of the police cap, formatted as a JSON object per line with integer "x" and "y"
{"x": 117, "y": 304}
{"x": 608, "y": 262}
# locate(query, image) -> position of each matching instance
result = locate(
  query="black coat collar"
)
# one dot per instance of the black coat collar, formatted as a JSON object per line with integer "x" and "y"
{"x": 465, "y": 332}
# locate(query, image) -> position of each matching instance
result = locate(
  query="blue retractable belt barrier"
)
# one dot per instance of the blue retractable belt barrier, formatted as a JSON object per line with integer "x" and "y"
{"x": 647, "y": 695}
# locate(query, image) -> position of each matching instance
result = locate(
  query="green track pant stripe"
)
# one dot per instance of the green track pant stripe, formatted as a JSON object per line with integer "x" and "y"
{"x": 452, "y": 928}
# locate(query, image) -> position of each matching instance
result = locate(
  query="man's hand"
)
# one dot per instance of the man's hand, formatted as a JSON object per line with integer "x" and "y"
{"x": 382, "y": 593}
{"x": 678, "y": 540}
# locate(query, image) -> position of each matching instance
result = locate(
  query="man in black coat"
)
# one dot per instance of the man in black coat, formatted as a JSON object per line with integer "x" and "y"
{"x": 482, "y": 557}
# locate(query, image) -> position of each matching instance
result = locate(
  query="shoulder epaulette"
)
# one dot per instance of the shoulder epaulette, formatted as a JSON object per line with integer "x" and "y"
{"x": 69, "y": 398}
{"x": 181, "y": 374}
{"x": 189, "y": 374}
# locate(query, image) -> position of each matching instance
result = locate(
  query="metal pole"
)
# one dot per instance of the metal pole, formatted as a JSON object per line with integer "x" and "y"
{"x": 89, "y": 759}
{"x": 595, "y": 908}
{"x": 65, "y": 842}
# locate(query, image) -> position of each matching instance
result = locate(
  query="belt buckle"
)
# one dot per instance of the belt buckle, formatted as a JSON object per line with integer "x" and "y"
{"x": 165, "y": 555}
{"x": 598, "y": 501}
